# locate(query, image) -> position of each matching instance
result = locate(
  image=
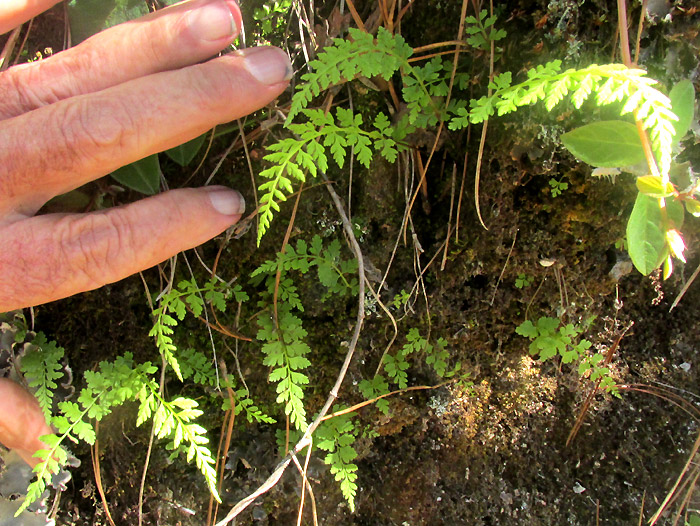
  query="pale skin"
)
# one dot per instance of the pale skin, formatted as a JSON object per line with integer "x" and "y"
{"x": 128, "y": 92}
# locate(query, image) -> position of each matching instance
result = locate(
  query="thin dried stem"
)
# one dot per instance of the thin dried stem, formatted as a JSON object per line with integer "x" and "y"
{"x": 95, "y": 454}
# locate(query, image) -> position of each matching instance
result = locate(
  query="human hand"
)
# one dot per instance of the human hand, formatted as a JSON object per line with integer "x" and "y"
{"x": 128, "y": 92}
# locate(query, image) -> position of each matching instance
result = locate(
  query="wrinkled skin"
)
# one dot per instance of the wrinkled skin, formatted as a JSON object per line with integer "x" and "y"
{"x": 21, "y": 421}
{"x": 128, "y": 92}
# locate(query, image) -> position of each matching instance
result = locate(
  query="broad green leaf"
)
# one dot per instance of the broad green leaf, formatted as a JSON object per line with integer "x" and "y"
{"x": 184, "y": 153}
{"x": 683, "y": 102}
{"x": 654, "y": 186}
{"x": 605, "y": 144}
{"x": 142, "y": 176}
{"x": 646, "y": 235}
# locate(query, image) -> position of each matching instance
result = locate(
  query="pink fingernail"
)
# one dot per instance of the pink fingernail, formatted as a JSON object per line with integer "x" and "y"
{"x": 269, "y": 65}
{"x": 212, "y": 22}
{"x": 227, "y": 202}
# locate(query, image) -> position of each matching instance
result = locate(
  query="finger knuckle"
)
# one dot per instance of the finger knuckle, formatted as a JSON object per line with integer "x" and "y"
{"x": 94, "y": 245}
{"x": 95, "y": 129}
{"x": 212, "y": 85}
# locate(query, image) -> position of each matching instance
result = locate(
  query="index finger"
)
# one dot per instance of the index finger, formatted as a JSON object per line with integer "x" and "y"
{"x": 15, "y": 12}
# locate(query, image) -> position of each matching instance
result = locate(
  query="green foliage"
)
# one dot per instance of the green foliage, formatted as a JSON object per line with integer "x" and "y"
{"x": 252, "y": 412}
{"x": 271, "y": 15}
{"x": 285, "y": 353}
{"x": 401, "y": 299}
{"x": 523, "y": 280}
{"x": 116, "y": 382}
{"x": 609, "y": 83}
{"x": 172, "y": 420}
{"x": 481, "y": 30}
{"x": 293, "y": 158}
{"x": 335, "y": 273}
{"x": 184, "y": 153}
{"x": 373, "y": 388}
{"x": 646, "y": 233}
{"x": 397, "y": 364}
{"x": 360, "y": 54}
{"x": 41, "y": 365}
{"x": 682, "y": 97}
{"x": 549, "y": 338}
{"x": 603, "y": 144}
{"x": 284, "y": 347}
{"x": 88, "y": 17}
{"x": 337, "y": 436}
{"x": 142, "y": 175}
{"x": 175, "y": 303}
{"x": 109, "y": 386}
{"x": 653, "y": 227}
{"x": 557, "y": 187}
{"x": 606, "y": 144}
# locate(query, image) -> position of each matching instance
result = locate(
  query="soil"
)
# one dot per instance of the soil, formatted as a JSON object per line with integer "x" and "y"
{"x": 488, "y": 453}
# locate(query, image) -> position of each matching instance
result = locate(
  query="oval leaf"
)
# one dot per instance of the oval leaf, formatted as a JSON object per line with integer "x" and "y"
{"x": 646, "y": 240}
{"x": 653, "y": 186}
{"x": 693, "y": 207}
{"x": 683, "y": 102}
{"x": 142, "y": 176}
{"x": 606, "y": 144}
{"x": 184, "y": 153}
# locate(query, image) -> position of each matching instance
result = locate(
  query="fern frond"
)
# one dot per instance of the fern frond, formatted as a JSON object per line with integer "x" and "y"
{"x": 292, "y": 159}
{"x": 285, "y": 353}
{"x": 41, "y": 365}
{"x": 345, "y": 59}
{"x": 337, "y": 436}
{"x": 610, "y": 83}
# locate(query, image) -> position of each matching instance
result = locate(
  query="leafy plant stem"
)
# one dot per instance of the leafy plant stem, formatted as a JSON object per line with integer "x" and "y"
{"x": 42, "y": 473}
{"x": 627, "y": 61}
{"x": 424, "y": 169}
{"x": 333, "y": 395}
{"x": 589, "y": 399}
{"x": 285, "y": 241}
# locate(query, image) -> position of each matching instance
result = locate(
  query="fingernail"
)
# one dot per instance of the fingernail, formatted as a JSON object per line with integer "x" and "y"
{"x": 269, "y": 65}
{"x": 227, "y": 202}
{"x": 212, "y": 22}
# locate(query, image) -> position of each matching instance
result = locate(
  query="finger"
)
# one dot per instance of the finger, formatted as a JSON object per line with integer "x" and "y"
{"x": 45, "y": 258}
{"x": 69, "y": 143}
{"x": 22, "y": 421}
{"x": 15, "y": 12}
{"x": 171, "y": 38}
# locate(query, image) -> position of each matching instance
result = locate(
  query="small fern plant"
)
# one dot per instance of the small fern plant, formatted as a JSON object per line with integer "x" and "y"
{"x": 122, "y": 380}
{"x": 336, "y": 436}
{"x": 317, "y": 133}
{"x": 550, "y": 338}
{"x": 280, "y": 329}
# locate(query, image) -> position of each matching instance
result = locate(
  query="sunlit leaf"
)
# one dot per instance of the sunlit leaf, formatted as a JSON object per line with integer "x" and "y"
{"x": 646, "y": 235}
{"x": 654, "y": 186}
{"x": 608, "y": 144}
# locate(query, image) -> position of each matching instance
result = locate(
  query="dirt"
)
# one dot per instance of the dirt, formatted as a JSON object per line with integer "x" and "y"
{"x": 492, "y": 452}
